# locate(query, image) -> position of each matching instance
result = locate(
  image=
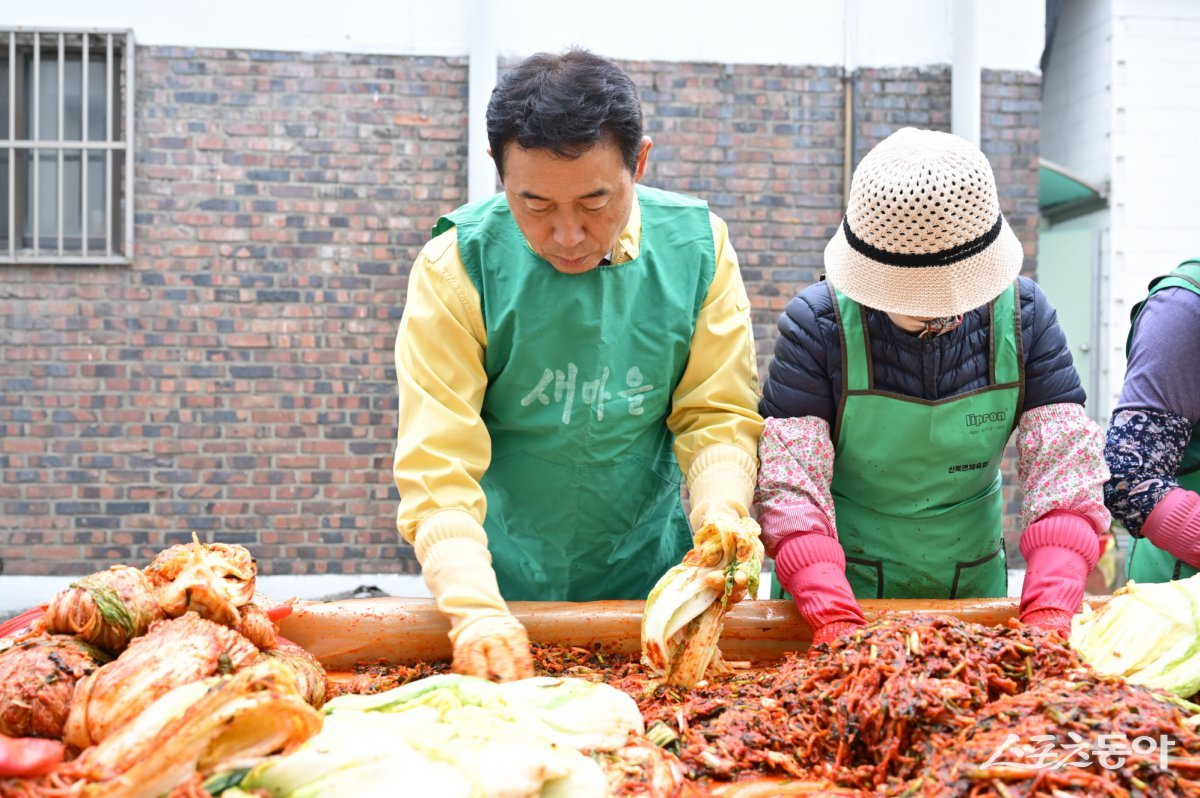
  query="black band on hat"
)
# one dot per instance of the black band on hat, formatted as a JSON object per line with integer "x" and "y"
{"x": 943, "y": 258}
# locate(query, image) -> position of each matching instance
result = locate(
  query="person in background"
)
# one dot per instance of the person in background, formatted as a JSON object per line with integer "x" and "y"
{"x": 567, "y": 348}
{"x": 894, "y": 389}
{"x": 1153, "y": 450}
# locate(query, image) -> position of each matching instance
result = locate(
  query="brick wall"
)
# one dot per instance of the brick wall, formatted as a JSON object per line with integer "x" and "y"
{"x": 237, "y": 379}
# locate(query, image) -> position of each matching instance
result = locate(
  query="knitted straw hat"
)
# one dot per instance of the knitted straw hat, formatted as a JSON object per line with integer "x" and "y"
{"x": 923, "y": 234}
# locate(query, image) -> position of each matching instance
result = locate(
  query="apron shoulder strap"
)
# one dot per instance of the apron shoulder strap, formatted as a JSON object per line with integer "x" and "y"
{"x": 856, "y": 356}
{"x": 1007, "y": 355}
{"x": 1006, "y": 338}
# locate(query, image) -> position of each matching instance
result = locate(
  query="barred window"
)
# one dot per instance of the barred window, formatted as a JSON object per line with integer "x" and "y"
{"x": 66, "y": 153}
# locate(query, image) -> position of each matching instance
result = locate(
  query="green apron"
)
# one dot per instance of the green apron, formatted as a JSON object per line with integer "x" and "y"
{"x": 1147, "y": 562}
{"x": 916, "y": 483}
{"x": 583, "y": 489}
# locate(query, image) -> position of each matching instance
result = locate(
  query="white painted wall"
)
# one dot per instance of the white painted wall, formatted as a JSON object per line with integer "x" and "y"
{"x": 1119, "y": 108}
{"x": 1156, "y": 163}
{"x": 1076, "y": 91}
{"x": 882, "y": 32}
{"x": 1076, "y": 133}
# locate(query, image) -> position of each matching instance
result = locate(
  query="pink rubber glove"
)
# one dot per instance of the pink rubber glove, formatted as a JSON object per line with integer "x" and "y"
{"x": 832, "y": 632}
{"x": 1060, "y": 549}
{"x": 812, "y": 567}
{"x": 1174, "y": 525}
{"x": 1050, "y": 620}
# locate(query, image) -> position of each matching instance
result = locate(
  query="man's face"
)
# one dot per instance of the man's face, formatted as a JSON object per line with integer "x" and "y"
{"x": 571, "y": 210}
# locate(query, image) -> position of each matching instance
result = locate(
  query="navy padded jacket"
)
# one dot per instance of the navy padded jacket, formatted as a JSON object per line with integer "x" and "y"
{"x": 805, "y": 377}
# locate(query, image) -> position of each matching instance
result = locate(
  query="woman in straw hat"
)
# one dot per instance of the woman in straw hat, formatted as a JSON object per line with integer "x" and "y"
{"x": 895, "y": 387}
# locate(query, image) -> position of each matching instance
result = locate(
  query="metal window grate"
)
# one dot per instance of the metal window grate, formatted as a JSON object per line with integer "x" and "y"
{"x": 66, "y": 146}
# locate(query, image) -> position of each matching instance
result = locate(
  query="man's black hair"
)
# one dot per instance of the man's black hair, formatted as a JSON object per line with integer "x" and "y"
{"x": 565, "y": 103}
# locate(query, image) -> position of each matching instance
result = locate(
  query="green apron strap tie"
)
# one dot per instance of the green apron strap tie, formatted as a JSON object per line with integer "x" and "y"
{"x": 1006, "y": 360}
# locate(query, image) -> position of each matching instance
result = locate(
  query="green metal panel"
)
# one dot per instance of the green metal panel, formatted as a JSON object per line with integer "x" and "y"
{"x": 1067, "y": 273}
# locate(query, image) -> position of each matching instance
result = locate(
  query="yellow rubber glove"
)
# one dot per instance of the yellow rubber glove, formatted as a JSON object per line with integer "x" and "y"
{"x": 488, "y": 641}
{"x": 721, "y": 484}
{"x": 493, "y": 647}
{"x": 737, "y": 543}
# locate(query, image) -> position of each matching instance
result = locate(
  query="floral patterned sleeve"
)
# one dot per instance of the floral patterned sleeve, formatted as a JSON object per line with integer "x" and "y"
{"x": 793, "y": 495}
{"x": 1061, "y": 465}
{"x": 1144, "y": 450}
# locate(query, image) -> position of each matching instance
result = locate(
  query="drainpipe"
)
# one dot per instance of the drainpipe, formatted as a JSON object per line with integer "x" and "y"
{"x": 481, "y": 76}
{"x": 964, "y": 73}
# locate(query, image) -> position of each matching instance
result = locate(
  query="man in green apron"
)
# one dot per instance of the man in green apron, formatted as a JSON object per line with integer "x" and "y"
{"x": 895, "y": 388}
{"x": 1153, "y": 447}
{"x": 568, "y": 346}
